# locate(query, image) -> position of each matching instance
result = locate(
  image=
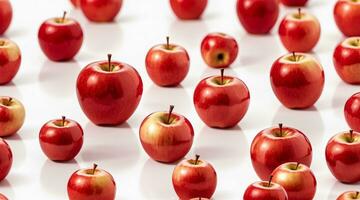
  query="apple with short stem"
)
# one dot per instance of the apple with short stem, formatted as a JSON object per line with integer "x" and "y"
{"x": 350, "y": 195}
{"x": 12, "y": 115}
{"x": 265, "y": 190}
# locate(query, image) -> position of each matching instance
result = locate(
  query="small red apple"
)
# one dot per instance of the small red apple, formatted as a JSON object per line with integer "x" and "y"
{"x": 219, "y": 50}
{"x": 6, "y": 13}
{"x": 101, "y": 10}
{"x": 265, "y": 190}
{"x": 109, "y": 91}
{"x": 6, "y": 159}
{"x": 10, "y": 60}
{"x": 167, "y": 64}
{"x": 61, "y": 139}
{"x": 91, "y": 184}
{"x": 294, "y": 3}
{"x": 75, "y": 3}
{"x": 352, "y": 112}
{"x": 297, "y": 179}
{"x": 347, "y": 17}
{"x": 199, "y": 198}
{"x": 60, "y": 38}
{"x": 350, "y": 195}
{"x": 194, "y": 178}
{"x": 188, "y": 9}
{"x": 12, "y": 116}
{"x": 299, "y": 32}
{"x": 221, "y": 101}
{"x": 166, "y": 137}
{"x": 257, "y": 16}
{"x": 3, "y": 197}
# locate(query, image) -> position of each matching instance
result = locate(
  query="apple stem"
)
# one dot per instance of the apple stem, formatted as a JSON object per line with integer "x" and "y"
{"x": 63, "y": 17}
{"x": 294, "y": 56}
{"x": 94, "y": 168}
{"x": 281, "y": 131}
{"x": 167, "y": 42}
{"x": 222, "y": 76}
{"x": 270, "y": 179}
{"x": 63, "y": 120}
{"x": 357, "y": 194}
{"x": 299, "y": 13}
{"x": 197, "y": 159}
{"x": 170, "y": 111}
{"x": 297, "y": 165}
{"x": 351, "y": 136}
{"x": 2, "y": 42}
{"x": 109, "y": 62}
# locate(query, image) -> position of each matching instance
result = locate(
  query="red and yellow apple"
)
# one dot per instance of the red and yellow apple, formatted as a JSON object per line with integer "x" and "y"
{"x": 12, "y": 116}
{"x": 10, "y": 60}
{"x": 350, "y": 195}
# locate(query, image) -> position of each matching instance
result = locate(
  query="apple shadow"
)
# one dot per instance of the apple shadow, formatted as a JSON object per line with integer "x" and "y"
{"x": 338, "y": 188}
{"x": 342, "y": 93}
{"x": 6, "y": 189}
{"x": 18, "y": 150}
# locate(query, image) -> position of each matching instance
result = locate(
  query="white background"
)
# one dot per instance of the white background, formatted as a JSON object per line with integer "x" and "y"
{"x": 47, "y": 90}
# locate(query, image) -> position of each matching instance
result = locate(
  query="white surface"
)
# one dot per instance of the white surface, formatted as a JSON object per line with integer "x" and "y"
{"x": 47, "y": 90}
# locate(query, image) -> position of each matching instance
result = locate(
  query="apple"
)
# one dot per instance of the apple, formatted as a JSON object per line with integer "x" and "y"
{"x": 61, "y": 139}
{"x": 166, "y": 137}
{"x": 257, "y": 16}
{"x": 3, "y": 197}
{"x": 352, "y": 112}
{"x": 109, "y": 91}
{"x": 101, "y": 10}
{"x": 194, "y": 178}
{"x": 75, "y": 3}
{"x": 6, "y": 13}
{"x": 274, "y": 146}
{"x": 347, "y": 17}
{"x": 221, "y": 101}
{"x": 350, "y": 195}
{"x": 91, "y": 184}
{"x": 10, "y": 60}
{"x": 219, "y": 50}
{"x": 297, "y": 179}
{"x": 299, "y": 32}
{"x": 6, "y": 159}
{"x": 188, "y": 9}
{"x": 346, "y": 59}
{"x": 60, "y": 38}
{"x": 12, "y": 116}
{"x": 199, "y": 198}
{"x": 297, "y": 80}
{"x": 294, "y": 3}
{"x": 343, "y": 156}
{"x": 167, "y": 64}
{"x": 265, "y": 190}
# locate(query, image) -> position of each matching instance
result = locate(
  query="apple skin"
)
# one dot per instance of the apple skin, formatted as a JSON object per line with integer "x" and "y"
{"x": 257, "y": 16}
{"x": 294, "y": 3}
{"x": 352, "y": 112}
{"x": 75, "y": 3}
{"x": 350, "y": 195}
{"x": 83, "y": 185}
{"x": 269, "y": 149}
{"x": 12, "y": 116}
{"x": 166, "y": 142}
{"x": 188, "y": 9}
{"x": 60, "y": 40}
{"x": 6, "y": 13}
{"x": 262, "y": 191}
{"x": 10, "y": 60}
{"x": 219, "y": 50}
{"x": 347, "y": 17}
{"x": 343, "y": 157}
{"x": 6, "y": 159}
{"x": 3, "y": 197}
{"x": 300, "y": 183}
{"x": 299, "y": 33}
{"x": 101, "y": 10}
{"x": 61, "y": 139}
{"x": 191, "y": 181}
{"x": 297, "y": 83}
{"x": 109, "y": 98}
{"x": 167, "y": 65}
{"x": 221, "y": 105}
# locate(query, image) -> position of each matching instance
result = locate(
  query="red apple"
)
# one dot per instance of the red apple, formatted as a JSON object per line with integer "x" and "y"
{"x": 167, "y": 64}
{"x": 347, "y": 60}
{"x": 350, "y": 195}
{"x": 343, "y": 156}
{"x": 257, "y": 16}
{"x": 297, "y": 80}
{"x": 166, "y": 137}
{"x": 274, "y": 146}
{"x": 109, "y": 91}
{"x": 10, "y": 60}
{"x": 5, "y": 15}
{"x": 352, "y": 112}
{"x": 297, "y": 179}
{"x": 299, "y": 32}
{"x": 219, "y": 50}
{"x": 265, "y": 190}
{"x": 6, "y": 159}
{"x": 75, "y": 3}
{"x": 294, "y": 3}
{"x": 12, "y": 116}
{"x": 199, "y": 198}
{"x": 221, "y": 101}
{"x": 3, "y": 197}
{"x": 60, "y": 38}
{"x": 194, "y": 178}
{"x": 347, "y": 17}
{"x": 101, "y": 10}
{"x": 61, "y": 139}
{"x": 188, "y": 9}
{"x": 91, "y": 184}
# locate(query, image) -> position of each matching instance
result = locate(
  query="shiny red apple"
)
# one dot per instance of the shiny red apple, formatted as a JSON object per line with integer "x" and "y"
{"x": 12, "y": 116}
{"x": 60, "y": 38}
{"x": 6, "y": 13}
{"x": 297, "y": 179}
{"x": 265, "y": 190}
{"x": 109, "y": 91}
{"x": 166, "y": 137}
{"x": 6, "y": 159}
{"x": 299, "y": 31}
{"x": 257, "y": 16}
{"x": 188, "y": 9}
{"x": 219, "y": 50}
{"x": 221, "y": 101}
{"x": 194, "y": 178}
{"x": 294, "y": 3}
{"x": 352, "y": 112}
{"x": 91, "y": 184}
{"x": 61, "y": 139}
{"x": 297, "y": 80}
{"x": 350, "y": 195}
{"x": 75, "y": 3}
{"x": 3, "y": 197}
{"x": 10, "y": 60}
{"x": 167, "y": 64}
{"x": 101, "y": 10}
{"x": 347, "y": 17}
